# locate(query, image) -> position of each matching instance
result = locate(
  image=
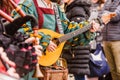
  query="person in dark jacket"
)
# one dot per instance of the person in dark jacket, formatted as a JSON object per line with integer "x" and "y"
{"x": 111, "y": 36}
{"x": 78, "y": 10}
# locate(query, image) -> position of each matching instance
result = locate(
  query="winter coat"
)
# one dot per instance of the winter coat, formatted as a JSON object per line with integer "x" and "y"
{"x": 78, "y": 57}
{"x": 78, "y": 10}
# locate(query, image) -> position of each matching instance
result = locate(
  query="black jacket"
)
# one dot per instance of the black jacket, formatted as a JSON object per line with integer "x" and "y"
{"x": 78, "y": 10}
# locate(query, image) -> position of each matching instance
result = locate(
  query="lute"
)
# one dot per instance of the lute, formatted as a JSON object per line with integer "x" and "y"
{"x": 49, "y": 58}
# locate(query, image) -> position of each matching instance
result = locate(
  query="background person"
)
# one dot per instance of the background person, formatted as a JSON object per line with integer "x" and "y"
{"x": 111, "y": 36}
{"x": 95, "y": 9}
{"x": 78, "y": 11}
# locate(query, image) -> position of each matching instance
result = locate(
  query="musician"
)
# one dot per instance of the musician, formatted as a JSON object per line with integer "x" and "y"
{"x": 46, "y": 12}
{"x": 3, "y": 55}
{"x": 47, "y": 20}
{"x": 10, "y": 52}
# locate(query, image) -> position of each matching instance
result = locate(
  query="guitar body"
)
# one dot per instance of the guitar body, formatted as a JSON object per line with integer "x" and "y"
{"x": 51, "y": 57}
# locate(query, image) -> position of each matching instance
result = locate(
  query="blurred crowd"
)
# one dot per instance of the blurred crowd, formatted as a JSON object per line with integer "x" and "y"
{"x": 29, "y": 30}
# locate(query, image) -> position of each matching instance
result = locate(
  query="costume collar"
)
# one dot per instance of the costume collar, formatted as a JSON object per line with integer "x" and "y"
{"x": 42, "y": 3}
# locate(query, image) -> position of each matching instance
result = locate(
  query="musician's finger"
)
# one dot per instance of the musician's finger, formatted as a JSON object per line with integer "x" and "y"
{"x": 6, "y": 59}
{"x": 92, "y": 30}
{"x": 38, "y": 52}
{"x": 53, "y": 44}
{"x": 94, "y": 27}
{"x": 31, "y": 39}
{"x": 38, "y": 47}
{"x": 11, "y": 63}
{"x": 12, "y": 72}
{"x": 1, "y": 50}
{"x": 52, "y": 48}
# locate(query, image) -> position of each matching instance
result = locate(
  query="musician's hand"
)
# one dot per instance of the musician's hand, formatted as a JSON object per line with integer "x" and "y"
{"x": 5, "y": 58}
{"x": 32, "y": 40}
{"x": 12, "y": 72}
{"x": 38, "y": 49}
{"x": 95, "y": 26}
{"x": 52, "y": 46}
{"x": 106, "y": 17}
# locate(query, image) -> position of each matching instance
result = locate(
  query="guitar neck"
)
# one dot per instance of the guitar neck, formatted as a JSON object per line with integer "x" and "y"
{"x": 74, "y": 33}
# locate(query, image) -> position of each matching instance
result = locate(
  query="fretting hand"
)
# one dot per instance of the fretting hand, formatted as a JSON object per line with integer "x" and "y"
{"x": 95, "y": 26}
